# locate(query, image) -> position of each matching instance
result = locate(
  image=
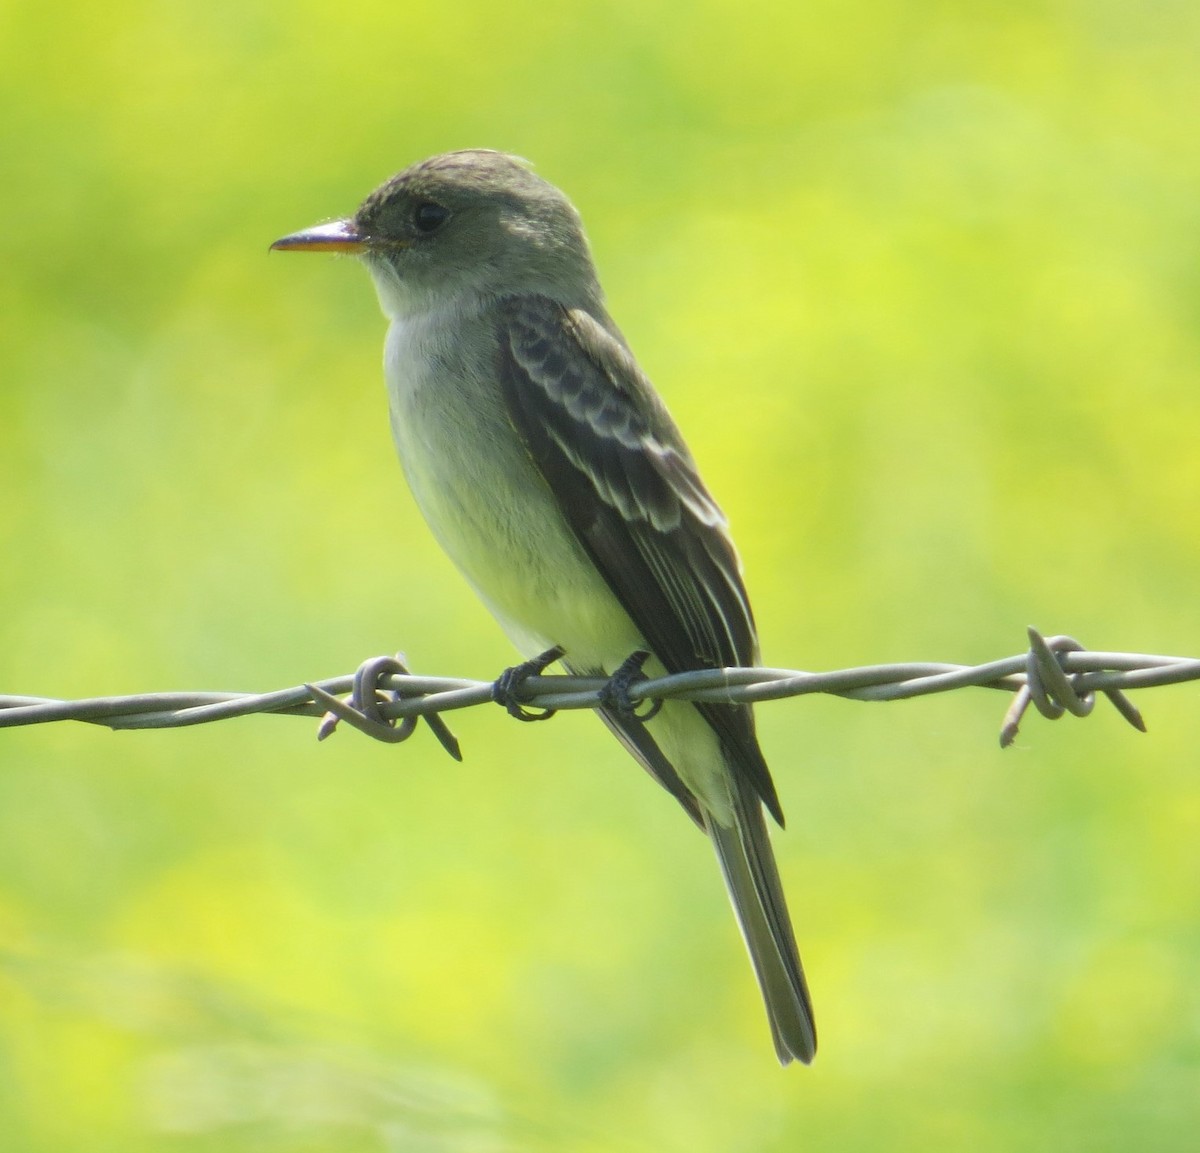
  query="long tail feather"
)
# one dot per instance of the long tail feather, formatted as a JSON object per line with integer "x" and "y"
{"x": 752, "y": 879}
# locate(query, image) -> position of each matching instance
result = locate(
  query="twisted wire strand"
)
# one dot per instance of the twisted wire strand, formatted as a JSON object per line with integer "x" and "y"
{"x": 1055, "y": 675}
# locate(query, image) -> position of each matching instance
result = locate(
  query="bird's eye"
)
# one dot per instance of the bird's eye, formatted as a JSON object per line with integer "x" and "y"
{"x": 429, "y": 217}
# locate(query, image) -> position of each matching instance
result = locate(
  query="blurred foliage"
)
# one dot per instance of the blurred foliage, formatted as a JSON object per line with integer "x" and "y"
{"x": 920, "y": 283}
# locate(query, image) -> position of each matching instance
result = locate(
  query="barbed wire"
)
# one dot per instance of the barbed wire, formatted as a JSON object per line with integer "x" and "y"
{"x": 1056, "y": 675}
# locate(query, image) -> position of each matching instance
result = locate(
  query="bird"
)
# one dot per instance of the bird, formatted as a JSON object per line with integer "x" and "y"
{"x": 550, "y": 471}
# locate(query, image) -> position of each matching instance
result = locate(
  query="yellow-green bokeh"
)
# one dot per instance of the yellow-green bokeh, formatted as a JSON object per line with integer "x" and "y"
{"x": 920, "y": 282}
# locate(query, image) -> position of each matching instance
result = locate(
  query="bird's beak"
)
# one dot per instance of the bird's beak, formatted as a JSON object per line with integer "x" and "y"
{"x": 336, "y": 236}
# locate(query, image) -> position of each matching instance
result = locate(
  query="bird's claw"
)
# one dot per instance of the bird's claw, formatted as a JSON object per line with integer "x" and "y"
{"x": 506, "y": 690}
{"x": 615, "y": 695}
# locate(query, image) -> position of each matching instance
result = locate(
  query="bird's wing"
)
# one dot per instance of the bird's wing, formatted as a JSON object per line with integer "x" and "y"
{"x": 629, "y": 489}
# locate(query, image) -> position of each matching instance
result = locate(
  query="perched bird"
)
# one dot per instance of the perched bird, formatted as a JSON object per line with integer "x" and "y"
{"x": 550, "y": 471}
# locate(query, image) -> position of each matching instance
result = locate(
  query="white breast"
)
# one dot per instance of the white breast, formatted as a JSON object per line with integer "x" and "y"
{"x": 483, "y": 498}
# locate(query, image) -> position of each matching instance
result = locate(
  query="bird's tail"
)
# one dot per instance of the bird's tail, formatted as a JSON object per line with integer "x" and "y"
{"x": 752, "y": 879}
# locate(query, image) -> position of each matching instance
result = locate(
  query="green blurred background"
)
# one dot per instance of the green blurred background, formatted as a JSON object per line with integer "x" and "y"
{"x": 922, "y": 285}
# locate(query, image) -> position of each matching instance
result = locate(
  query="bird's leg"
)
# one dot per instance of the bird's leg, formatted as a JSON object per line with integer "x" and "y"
{"x": 506, "y": 690}
{"x": 615, "y": 695}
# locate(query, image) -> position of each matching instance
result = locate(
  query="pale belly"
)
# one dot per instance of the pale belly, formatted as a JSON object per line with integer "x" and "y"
{"x": 498, "y": 521}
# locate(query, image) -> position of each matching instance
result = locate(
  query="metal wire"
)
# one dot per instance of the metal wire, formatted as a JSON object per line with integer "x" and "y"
{"x": 1055, "y": 675}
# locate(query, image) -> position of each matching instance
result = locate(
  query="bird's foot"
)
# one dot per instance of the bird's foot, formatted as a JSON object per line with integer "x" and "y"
{"x": 506, "y": 690}
{"x": 615, "y": 694}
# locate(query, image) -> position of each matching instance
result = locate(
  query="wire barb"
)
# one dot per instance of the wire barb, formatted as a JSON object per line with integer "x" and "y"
{"x": 1048, "y": 688}
{"x": 362, "y": 710}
